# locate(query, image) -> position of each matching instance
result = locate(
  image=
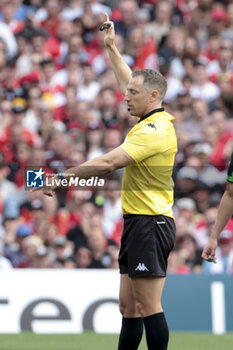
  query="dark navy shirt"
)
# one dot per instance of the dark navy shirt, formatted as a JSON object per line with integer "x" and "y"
{"x": 230, "y": 170}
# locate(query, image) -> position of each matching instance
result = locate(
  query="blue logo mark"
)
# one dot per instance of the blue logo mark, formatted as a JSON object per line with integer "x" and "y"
{"x": 35, "y": 178}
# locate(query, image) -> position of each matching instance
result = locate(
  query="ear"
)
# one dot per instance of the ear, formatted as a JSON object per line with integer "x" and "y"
{"x": 154, "y": 95}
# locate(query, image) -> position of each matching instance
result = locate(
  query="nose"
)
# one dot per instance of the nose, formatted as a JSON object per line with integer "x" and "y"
{"x": 126, "y": 98}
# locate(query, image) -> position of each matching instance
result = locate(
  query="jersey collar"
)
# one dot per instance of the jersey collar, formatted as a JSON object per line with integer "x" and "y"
{"x": 157, "y": 110}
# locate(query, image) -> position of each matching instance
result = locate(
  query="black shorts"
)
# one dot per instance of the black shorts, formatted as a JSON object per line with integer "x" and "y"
{"x": 145, "y": 245}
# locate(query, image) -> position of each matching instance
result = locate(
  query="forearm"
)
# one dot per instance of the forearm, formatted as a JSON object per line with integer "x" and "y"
{"x": 224, "y": 214}
{"x": 120, "y": 68}
{"x": 96, "y": 167}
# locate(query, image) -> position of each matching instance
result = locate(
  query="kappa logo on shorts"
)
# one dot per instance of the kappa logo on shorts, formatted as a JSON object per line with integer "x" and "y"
{"x": 141, "y": 267}
{"x": 160, "y": 222}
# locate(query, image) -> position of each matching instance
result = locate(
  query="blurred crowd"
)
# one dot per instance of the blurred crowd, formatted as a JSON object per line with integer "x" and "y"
{"x": 60, "y": 105}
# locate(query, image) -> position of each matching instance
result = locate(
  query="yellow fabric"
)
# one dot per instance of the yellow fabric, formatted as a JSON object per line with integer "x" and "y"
{"x": 147, "y": 186}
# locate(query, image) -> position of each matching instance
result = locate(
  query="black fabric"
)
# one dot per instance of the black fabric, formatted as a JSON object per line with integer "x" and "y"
{"x": 131, "y": 333}
{"x": 157, "y": 110}
{"x": 230, "y": 170}
{"x": 157, "y": 333}
{"x": 145, "y": 245}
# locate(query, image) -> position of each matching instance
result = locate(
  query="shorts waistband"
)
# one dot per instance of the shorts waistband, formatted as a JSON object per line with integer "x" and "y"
{"x": 125, "y": 216}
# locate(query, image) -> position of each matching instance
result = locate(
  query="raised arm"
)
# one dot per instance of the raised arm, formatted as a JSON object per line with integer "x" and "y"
{"x": 120, "y": 68}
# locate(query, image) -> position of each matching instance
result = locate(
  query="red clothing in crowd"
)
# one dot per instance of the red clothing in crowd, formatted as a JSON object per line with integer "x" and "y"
{"x": 147, "y": 57}
{"x": 217, "y": 157}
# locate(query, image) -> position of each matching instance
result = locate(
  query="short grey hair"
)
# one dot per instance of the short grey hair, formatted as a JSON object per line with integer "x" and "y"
{"x": 153, "y": 80}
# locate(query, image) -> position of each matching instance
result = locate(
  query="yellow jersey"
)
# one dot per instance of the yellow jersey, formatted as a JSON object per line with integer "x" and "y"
{"x": 147, "y": 185}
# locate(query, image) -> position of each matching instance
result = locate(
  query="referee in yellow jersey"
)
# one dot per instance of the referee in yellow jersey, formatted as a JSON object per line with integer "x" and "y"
{"x": 147, "y": 196}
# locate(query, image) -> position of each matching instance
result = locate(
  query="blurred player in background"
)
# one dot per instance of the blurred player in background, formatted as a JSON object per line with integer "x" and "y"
{"x": 147, "y": 197}
{"x": 224, "y": 214}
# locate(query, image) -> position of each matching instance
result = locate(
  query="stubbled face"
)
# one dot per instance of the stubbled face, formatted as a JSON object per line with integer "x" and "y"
{"x": 137, "y": 97}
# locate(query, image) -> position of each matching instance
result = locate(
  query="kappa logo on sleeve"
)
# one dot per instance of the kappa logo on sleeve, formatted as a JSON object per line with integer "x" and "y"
{"x": 151, "y": 125}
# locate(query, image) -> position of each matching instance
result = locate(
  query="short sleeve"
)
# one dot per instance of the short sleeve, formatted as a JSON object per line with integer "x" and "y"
{"x": 144, "y": 143}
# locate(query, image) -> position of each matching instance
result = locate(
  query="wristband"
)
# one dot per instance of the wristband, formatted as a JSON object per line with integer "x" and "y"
{"x": 107, "y": 26}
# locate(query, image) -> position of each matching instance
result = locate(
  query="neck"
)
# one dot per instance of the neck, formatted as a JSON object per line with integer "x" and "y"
{"x": 156, "y": 110}
{"x": 152, "y": 108}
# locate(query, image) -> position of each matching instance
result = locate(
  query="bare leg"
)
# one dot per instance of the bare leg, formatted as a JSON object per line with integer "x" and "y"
{"x": 148, "y": 293}
{"x": 132, "y": 323}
